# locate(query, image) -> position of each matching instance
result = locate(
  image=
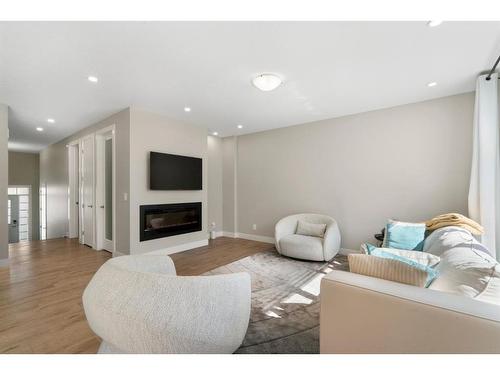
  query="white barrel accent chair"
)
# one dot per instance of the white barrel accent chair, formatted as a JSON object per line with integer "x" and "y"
{"x": 294, "y": 245}
{"x": 137, "y": 304}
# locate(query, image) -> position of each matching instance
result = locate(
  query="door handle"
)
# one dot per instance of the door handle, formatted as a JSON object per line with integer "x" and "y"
{"x": 89, "y": 206}
{"x": 102, "y": 206}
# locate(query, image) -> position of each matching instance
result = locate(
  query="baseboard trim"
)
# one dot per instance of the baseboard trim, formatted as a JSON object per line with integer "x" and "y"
{"x": 252, "y": 237}
{"x": 4, "y": 262}
{"x": 179, "y": 248}
{"x": 118, "y": 254}
{"x": 266, "y": 239}
{"x": 255, "y": 237}
{"x": 219, "y": 234}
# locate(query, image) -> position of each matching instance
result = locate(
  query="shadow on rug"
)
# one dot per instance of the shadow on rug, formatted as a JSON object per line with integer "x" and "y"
{"x": 285, "y": 301}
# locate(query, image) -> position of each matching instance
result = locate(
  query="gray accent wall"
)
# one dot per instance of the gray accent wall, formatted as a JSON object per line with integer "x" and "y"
{"x": 54, "y": 173}
{"x": 24, "y": 169}
{"x": 410, "y": 162}
{"x": 4, "y": 175}
{"x": 154, "y": 132}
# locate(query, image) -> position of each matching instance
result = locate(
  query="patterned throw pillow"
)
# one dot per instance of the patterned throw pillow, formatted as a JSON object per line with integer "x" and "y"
{"x": 387, "y": 269}
{"x": 418, "y": 260}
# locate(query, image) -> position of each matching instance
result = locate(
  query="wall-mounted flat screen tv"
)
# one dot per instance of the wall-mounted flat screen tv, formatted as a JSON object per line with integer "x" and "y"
{"x": 174, "y": 172}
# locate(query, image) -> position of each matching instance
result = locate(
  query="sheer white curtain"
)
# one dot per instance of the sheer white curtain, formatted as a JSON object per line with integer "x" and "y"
{"x": 484, "y": 190}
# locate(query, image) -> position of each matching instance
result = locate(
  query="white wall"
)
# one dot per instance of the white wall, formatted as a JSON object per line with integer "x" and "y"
{"x": 4, "y": 175}
{"x": 153, "y": 132}
{"x": 215, "y": 199}
{"x": 54, "y": 172}
{"x": 24, "y": 169}
{"x": 409, "y": 162}
{"x": 229, "y": 164}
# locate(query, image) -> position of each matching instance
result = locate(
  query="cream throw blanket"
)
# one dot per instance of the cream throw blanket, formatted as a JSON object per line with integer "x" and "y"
{"x": 455, "y": 220}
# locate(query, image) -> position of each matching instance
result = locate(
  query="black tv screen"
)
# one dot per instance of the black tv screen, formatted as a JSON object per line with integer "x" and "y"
{"x": 174, "y": 172}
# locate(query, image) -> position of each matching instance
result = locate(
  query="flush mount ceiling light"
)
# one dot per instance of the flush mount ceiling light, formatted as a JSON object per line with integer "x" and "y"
{"x": 431, "y": 84}
{"x": 93, "y": 79}
{"x": 267, "y": 81}
{"x": 187, "y": 109}
{"x": 240, "y": 126}
{"x": 434, "y": 23}
{"x": 215, "y": 133}
{"x": 51, "y": 120}
{"x": 39, "y": 129}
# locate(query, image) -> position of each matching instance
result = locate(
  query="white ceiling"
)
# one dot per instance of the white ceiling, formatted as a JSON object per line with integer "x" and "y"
{"x": 330, "y": 69}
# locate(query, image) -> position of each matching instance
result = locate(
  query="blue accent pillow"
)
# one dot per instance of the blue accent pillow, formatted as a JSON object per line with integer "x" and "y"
{"x": 404, "y": 236}
{"x": 379, "y": 252}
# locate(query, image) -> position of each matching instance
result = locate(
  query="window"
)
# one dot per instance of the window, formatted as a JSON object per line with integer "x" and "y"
{"x": 43, "y": 212}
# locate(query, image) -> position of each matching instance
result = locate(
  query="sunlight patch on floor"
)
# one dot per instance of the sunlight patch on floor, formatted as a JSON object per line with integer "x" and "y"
{"x": 297, "y": 298}
{"x": 313, "y": 285}
{"x": 272, "y": 314}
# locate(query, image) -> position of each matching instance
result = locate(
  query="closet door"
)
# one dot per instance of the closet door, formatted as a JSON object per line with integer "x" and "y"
{"x": 88, "y": 200}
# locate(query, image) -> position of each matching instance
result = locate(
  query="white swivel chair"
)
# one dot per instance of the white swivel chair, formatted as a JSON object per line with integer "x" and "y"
{"x": 137, "y": 304}
{"x": 307, "y": 247}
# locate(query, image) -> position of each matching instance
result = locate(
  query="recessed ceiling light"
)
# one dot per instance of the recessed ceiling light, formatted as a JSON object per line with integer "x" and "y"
{"x": 267, "y": 82}
{"x": 434, "y": 23}
{"x": 215, "y": 133}
{"x": 39, "y": 129}
{"x": 51, "y": 120}
{"x": 240, "y": 126}
{"x": 431, "y": 84}
{"x": 93, "y": 79}
{"x": 187, "y": 109}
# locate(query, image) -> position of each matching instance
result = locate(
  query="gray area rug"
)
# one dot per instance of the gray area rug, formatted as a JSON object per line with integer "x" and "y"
{"x": 285, "y": 302}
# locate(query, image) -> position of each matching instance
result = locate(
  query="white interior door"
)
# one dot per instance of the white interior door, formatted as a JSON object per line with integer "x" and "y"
{"x": 13, "y": 218}
{"x": 87, "y": 189}
{"x": 108, "y": 208}
{"x": 105, "y": 190}
{"x": 74, "y": 188}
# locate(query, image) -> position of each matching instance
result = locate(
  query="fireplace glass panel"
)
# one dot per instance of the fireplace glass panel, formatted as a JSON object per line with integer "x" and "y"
{"x": 169, "y": 219}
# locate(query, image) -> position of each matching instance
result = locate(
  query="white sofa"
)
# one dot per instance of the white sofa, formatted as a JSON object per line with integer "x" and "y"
{"x": 294, "y": 245}
{"x": 361, "y": 314}
{"x": 137, "y": 304}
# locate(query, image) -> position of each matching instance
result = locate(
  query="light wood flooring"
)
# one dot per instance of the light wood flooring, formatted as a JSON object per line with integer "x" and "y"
{"x": 41, "y": 290}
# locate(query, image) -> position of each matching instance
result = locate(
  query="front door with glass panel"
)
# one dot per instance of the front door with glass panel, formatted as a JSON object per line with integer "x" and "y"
{"x": 19, "y": 213}
{"x": 13, "y": 218}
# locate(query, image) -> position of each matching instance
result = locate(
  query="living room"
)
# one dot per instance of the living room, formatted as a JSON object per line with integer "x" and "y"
{"x": 258, "y": 187}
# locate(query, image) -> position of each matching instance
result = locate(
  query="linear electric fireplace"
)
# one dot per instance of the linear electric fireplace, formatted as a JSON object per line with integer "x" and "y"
{"x": 164, "y": 220}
